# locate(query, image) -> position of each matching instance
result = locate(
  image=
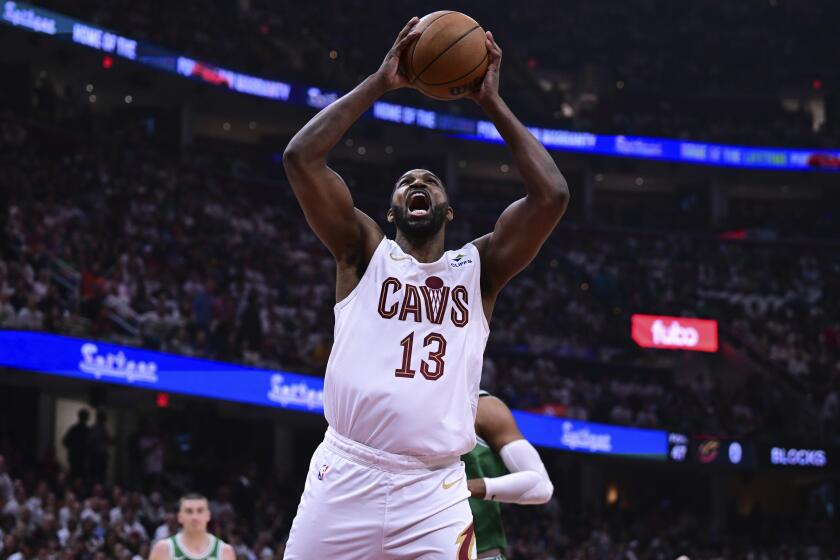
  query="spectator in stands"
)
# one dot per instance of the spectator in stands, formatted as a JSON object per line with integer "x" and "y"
{"x": 128, "y": 526}
{"x": 99, "y": 442}
{"x": 76, "y": 441}
{"x": 166, "y": 529}
{"x": 6, "y": 487}
{"x": 152, "y": 449}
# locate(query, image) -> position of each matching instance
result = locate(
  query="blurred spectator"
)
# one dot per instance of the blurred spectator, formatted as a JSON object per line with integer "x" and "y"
{"x": 76, "y": 441}
{"x": 6, "y": 488}
{"x": 99, "y": 441}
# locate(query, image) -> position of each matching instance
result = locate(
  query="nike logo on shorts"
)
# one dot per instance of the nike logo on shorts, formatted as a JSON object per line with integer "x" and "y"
{"x": 448, "y": 485}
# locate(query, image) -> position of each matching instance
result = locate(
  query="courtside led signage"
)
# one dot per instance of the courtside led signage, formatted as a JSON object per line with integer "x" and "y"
{"x": 102, "y": 362}
{"x": 792, "y": 457}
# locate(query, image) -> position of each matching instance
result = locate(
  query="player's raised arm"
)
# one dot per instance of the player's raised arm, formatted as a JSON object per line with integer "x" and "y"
{"x": 525, "y": 225}
{"x": 348, "y": 233}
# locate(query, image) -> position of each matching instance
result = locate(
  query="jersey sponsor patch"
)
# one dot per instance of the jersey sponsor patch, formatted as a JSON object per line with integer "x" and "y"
{"x": 460, "y": 260}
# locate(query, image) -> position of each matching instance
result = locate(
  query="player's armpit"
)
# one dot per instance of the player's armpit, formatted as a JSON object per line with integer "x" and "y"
{"x": 328, "y": 207}
{"x": 519, "y": 233}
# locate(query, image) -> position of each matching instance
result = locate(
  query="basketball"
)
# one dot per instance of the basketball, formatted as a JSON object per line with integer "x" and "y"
{"x": 449, "y": 58}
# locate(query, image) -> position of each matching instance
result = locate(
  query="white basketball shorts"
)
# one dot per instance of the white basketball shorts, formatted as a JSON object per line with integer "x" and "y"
{"x": 366, "y": 504}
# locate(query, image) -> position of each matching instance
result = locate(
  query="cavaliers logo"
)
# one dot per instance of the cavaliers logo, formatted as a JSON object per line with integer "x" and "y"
{"x": 708, "y": 451}
{"x": 434, "y": 283}
{"x": 466, "y": 543}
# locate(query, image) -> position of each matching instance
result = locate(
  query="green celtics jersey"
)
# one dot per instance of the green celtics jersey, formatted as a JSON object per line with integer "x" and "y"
{"x": 177, "y": 551}
{"x": 482, "y": 462}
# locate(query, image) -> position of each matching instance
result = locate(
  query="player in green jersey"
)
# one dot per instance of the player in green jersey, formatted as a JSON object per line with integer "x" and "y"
{"x": 193, "y": 542}
{"x": 502, "y": 467}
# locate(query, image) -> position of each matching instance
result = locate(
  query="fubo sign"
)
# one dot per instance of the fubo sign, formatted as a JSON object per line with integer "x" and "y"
{"x": 675, "y": 333}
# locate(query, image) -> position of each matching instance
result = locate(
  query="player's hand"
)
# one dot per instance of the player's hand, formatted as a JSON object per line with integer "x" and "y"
{"x": 390, "y": 72}
{"x": 477, "y": 488}
{"x": 489, "y": 89}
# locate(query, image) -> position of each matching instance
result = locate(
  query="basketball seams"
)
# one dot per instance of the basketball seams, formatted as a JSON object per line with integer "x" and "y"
{"x": 444, "y": 51}
{"x": 471, "y": 70}
{"x": 416, "y": 41}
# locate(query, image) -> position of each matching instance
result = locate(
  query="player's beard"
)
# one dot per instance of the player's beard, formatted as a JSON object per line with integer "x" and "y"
{"x": 422, "y": 228}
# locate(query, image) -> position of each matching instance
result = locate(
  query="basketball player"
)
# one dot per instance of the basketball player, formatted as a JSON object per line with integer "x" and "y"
{"x": 401, "y": 385}
{"x": 502, "y": 467}
{"x": 193, "y": 542}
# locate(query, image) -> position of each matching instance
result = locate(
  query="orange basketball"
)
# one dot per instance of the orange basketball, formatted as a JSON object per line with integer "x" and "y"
{"x": 449, "y": 58}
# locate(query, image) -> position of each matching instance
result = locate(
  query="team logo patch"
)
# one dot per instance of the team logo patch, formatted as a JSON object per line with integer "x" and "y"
{"x": 435, "y": 295}
{"x": 322, "y": 472}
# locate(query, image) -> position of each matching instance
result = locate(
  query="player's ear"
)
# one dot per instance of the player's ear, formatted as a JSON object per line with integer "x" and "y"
{"x": 450, "y": 213}
{"x": 389, "y": 215}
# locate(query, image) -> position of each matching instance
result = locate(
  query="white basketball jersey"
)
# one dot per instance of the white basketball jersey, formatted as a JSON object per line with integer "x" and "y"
{"x": 405, "y": 367}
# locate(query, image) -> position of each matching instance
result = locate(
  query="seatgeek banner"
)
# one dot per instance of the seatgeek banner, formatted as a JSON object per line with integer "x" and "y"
{"x": 39, "y": 20}
{"x": 121, "y": 365}
{"x": 96, "y": 361}
{"x": 589, "y": 437}
{"x": 674, "y": 333}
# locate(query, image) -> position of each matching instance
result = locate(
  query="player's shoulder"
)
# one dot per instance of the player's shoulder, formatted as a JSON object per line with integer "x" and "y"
{"x": 492, "y": 409}
{"x": 464, "y": 257}
{"x": 473, "y": 245}
{"x": 226, "y": 551}
{"x": 481, "y": 243}
{"x": 489, "y": 400}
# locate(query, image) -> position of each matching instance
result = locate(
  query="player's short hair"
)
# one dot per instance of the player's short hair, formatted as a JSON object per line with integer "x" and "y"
{"x": 191, "y": 496}
{"x": 433, "y": 174}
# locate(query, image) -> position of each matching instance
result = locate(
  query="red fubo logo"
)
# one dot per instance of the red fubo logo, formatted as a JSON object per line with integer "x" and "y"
{"x": 675, "y": 333}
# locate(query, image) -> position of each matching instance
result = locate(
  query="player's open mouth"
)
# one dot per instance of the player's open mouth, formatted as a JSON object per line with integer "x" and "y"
{"x": 419, "y": 204}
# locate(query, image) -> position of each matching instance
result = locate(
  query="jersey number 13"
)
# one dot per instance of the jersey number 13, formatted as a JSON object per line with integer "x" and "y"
{"x": 432, "y": 369}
